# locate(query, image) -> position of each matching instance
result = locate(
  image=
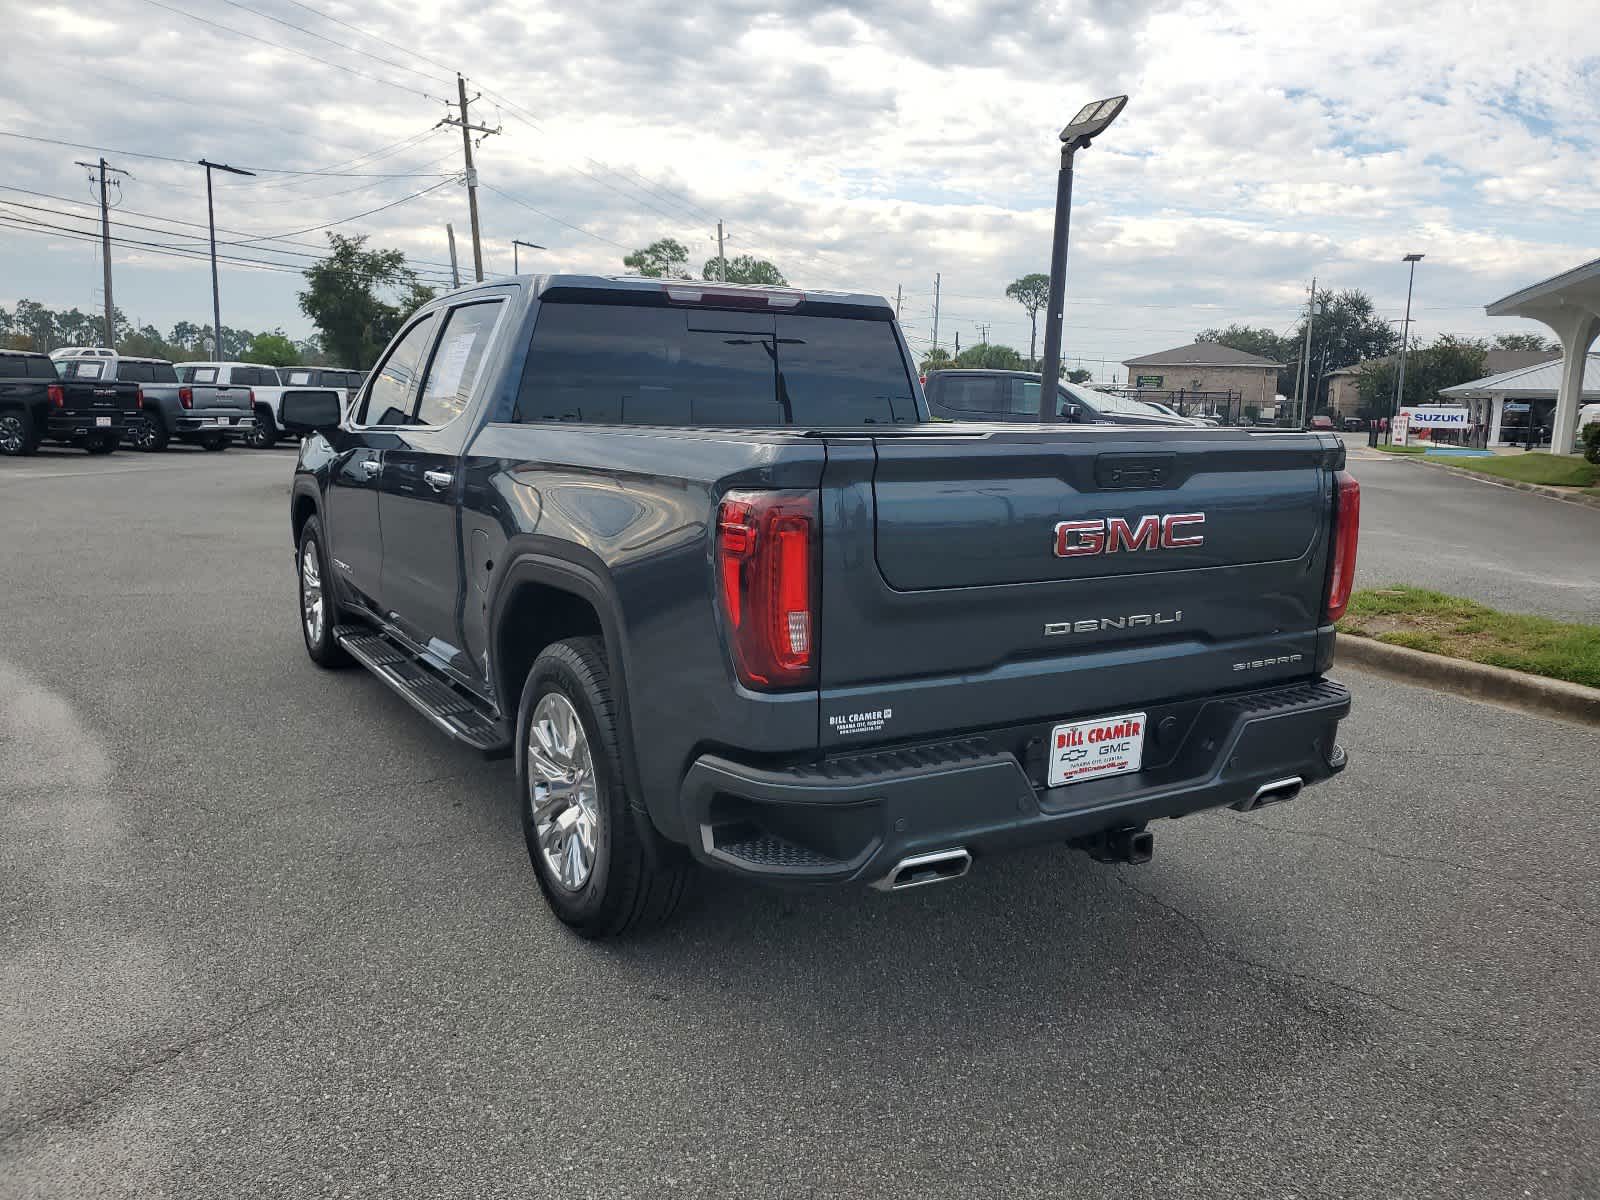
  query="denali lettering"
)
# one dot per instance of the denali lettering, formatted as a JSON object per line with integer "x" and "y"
{"x": 1075, "y": 539}
{"x": 1096, "y": 624}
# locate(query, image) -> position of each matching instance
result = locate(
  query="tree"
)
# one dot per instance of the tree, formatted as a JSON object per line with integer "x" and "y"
{"x": 937, "y": 359}
{"x": 985, "y": 356}
{"x": 745, "y": 269}
{"x": 343, "y": 299}
{"x": 1447, "y": 362}
{"x": 144, "y": 342}
{"x": 1033, "y": 293}
{"x": 1079, "y": 376}
{"x": 274, "y": 349}
{"x": 664, "y": 259}
{"x": 1523, "y": 341}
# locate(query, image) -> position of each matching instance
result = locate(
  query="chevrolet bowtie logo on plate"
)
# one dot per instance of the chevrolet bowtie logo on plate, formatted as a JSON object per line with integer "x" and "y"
{"x": 1114, "y": 535}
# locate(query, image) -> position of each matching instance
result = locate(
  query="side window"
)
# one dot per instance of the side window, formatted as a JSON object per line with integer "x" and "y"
{"x": 463, "y": 342}
{"x": 1022, "y": 398}
{"x": 42, "y": 368}
{"x": 970, "y": 393}
{"x": 394, "y": 386}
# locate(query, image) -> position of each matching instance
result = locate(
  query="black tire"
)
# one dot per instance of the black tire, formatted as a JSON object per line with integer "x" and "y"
{"x": 153, "y": 435}
{"x": 214, "y": 442}
{"x": 631, "y": 885}
{"x": 17, "y": 433}
{"x": 321, "y": 645}
{"x": 103, "y": 443}
{"x": 264, "y": 436}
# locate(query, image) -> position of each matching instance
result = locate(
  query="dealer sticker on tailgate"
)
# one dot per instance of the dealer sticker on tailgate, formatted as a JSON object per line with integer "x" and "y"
{"x": 1093, "y": 749}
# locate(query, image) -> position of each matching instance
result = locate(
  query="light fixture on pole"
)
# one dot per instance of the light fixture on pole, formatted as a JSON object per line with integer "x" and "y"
{"x": 1405, "y": 339}
{"x": 1091, "y": 121}
{"x": 515, "y": 262}
{"x": 211, "y": 220}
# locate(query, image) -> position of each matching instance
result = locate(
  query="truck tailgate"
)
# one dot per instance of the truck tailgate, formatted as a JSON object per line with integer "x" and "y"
{"x": 993, "y": 576}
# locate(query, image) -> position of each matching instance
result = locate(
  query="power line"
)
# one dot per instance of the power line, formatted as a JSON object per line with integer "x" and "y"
{"x": 189, "y": 162}
{"x": 292, "y": 50}
{"x": 550, "y": 217}
{"x": 332, "y": 42}
{"x": 276, "y": 237}
{"x": 411, "y": 50}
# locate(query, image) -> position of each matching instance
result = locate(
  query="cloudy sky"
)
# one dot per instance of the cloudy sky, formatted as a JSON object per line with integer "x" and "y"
{"x": 864, "y": 145}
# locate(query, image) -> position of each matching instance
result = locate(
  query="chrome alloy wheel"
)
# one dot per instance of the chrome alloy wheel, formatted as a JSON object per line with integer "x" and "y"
{"x": 562, "y": 792}
{"x": 10, "y": 433}
{"x": 311, "y": 591}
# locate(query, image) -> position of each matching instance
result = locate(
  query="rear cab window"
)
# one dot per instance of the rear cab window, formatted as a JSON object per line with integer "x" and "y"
{"x": 83, "y": 368}
{"x": 625, "y": 364}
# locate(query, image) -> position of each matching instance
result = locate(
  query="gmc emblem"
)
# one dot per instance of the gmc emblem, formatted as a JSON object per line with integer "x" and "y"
{"x": 1077, "y": 538}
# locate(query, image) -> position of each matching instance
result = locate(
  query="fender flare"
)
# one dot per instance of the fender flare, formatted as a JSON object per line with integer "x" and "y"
{"x": 567, "y": 568}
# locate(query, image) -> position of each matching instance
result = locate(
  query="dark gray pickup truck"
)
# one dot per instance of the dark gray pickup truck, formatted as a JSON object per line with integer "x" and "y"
{"x": 697, "y": 557}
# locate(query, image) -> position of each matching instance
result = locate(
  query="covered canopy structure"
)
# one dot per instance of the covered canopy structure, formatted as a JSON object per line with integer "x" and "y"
{"x": 1513, "y": 403}
{"x": 1569, "y": 304}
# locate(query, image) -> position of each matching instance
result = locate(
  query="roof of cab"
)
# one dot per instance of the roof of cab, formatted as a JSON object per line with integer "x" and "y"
{"x": 705, "y": 287}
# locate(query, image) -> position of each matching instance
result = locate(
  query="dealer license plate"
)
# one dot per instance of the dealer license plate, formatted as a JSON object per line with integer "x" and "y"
{"x": 104, "y": 422}
{"x": 1087, "y": 750}
{"x": 221, "y": 421}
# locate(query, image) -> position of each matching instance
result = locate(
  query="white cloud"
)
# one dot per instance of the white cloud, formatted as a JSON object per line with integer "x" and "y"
{"x": 859, "y": 145}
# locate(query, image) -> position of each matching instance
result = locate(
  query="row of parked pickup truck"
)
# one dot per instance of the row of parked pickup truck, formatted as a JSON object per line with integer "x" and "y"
{"x": 97, "y": 399}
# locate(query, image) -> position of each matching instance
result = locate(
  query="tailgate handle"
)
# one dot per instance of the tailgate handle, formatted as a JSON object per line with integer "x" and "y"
{"x": 1116, "y": 471}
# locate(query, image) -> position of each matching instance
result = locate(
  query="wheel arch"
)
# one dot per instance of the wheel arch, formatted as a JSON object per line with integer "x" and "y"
{"x": 541, "y": 595}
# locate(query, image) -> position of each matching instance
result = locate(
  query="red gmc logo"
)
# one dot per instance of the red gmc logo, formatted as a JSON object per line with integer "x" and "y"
{"x": 1077, "y": 538}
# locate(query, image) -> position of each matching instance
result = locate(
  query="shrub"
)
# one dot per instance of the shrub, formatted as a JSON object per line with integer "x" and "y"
{"x": 1591, "y": 441}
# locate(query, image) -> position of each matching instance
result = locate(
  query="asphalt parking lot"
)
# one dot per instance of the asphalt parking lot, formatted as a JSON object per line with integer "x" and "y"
{"x": 1509, "y": 549}
{"x": 268, "y": 934}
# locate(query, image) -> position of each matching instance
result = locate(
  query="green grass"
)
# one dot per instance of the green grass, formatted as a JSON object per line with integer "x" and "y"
{"x": 1402, "y": 449}
{"x": 1461, "y": 628}
{"x": 1557, "y": 470}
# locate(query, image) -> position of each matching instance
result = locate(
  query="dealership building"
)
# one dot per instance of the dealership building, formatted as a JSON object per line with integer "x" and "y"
{"x": 1514, "y": 402}
{"x": 1569, "y": 305}
{"x": 1209, "y": 369}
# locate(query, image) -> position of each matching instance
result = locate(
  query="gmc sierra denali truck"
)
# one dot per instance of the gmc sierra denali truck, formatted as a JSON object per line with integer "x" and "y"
{"x": 699, "y": 560}
{"x": 42, "y": 399}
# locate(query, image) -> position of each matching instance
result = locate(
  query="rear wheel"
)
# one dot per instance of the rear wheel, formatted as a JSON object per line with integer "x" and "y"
{"x": 152, "y": 435}
{"x": 318, "y": 611}
{"x": 264, "y": 435}
{"x": 17, "y": 435}
{"x": 588, "y": 850}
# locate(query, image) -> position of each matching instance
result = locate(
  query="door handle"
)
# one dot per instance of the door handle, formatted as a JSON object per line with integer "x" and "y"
{"x": 438, "y": 480}
{"x": 371, "y": 466}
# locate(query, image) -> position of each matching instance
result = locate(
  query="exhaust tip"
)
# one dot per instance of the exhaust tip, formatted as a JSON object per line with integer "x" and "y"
{"x": 940, "y": 866}
{"x": 1275, "y": 792}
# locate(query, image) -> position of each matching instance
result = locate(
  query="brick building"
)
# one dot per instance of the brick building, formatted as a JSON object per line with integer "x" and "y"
{"x": 1207, "y": 367}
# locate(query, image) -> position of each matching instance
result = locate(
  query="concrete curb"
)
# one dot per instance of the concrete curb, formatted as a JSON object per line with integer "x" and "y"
{"x": 1536, "y": 488}
{"x": 1516, "y": 689}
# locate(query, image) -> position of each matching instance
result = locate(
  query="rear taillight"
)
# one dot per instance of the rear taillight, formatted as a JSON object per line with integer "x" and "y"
{"x": 138, "y": 398}
{"x": 186, "y": 397}
{"x": 1346, "y": 532}
{"x": 250, "y": 396}
{"x": 57, "y": 394}
{"x": 766, "y": 580}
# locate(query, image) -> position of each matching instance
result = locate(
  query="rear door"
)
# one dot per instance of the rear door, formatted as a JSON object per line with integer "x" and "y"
{"x": 1022, "y": 575}
{"x": 419, "y": 505}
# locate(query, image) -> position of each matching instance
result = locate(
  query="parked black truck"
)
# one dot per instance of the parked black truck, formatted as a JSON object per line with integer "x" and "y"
{"x": 697, "y": 557}
{"x": 37, "y": 404}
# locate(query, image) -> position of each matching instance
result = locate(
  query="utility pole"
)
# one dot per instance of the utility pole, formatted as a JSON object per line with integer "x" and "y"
{"x": 1405, "y": 341}
{"x": 101, "y": 170}
{"x": 455, "y": 271}
{"x": 897, "y": 302}
{"x": 958, "y": 343}
{"x": 1305, "y": 358}
{"x": 936, "y": 310}
{"x": 983, "y": 333}
{"x": 722, "y": 258}
{"x": 211, "y": 219}
{"x": 516, "y": 262}
{"x": 467, "y": 130}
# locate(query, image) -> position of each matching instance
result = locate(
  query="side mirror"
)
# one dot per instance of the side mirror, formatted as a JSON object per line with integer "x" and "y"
{"x": 310, "y": 410}
{"x": 1071, "y": 412}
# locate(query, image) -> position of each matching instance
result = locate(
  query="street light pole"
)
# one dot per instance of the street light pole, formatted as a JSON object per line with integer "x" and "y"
{"x": 1091, "y": 121}
{"x": 1405, "y": 339}
{"x": 516, "y": 266}
{"x": 211, "y": 220}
